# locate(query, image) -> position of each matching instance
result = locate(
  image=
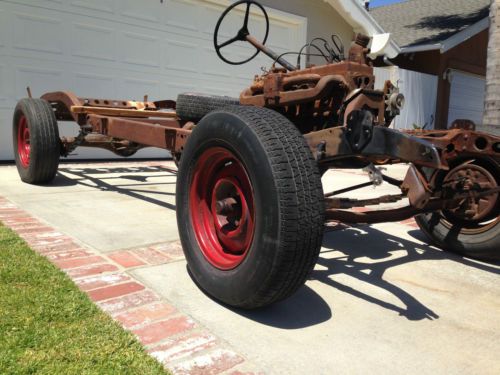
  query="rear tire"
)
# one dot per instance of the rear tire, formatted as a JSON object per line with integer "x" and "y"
{"x": 193, "y": 106}
{"x": 37, "y": 146}
{"x": 479, "y": 239}
{"x": 278, "y": 213}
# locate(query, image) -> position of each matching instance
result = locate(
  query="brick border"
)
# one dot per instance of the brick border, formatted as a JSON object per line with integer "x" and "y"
{"x": 181, "y": 344}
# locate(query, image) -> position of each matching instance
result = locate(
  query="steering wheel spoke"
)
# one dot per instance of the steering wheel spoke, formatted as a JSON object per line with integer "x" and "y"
{"x": 242, "y": 33}
{"x": 247, "y": 14}
{"x": 230, "y": 41}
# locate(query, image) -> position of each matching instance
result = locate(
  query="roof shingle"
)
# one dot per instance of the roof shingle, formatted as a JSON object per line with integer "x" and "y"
{"x": 421, "y": 22}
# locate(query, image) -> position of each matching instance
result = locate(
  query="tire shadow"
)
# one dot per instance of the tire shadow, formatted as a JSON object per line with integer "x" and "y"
{"x": 351, "y": 247}
{"x": 104, "y": 178}
{"x": 304, "y": 309}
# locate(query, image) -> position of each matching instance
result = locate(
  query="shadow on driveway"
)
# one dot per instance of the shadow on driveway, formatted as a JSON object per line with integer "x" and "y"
{"x": 367, "y": 242}
{"x": 306, "y": 307}
{"x": 99, "y": 178}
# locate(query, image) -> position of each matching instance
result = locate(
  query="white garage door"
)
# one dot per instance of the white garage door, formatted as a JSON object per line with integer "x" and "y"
{"x": 122, "y": 49}
{"x": 466, "y": 98}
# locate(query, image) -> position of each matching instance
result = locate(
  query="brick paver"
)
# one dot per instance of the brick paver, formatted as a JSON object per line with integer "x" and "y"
{"x": 171, "y": 337}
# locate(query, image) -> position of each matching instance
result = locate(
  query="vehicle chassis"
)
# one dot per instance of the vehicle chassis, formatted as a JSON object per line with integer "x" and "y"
{"x": 249, "y": 174}
{"x": 130, "y": 125}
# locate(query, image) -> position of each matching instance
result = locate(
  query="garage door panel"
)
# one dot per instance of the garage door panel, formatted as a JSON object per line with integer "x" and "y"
{"x": 96, "y": 5}
{"x": 146, "y": 10}
{"x": 182, "y": 55}
{"x": 3, "y": 84}
{"x": 4, "y": 34}
{"x": 130, "y": 87}
{"x": 39, "y": 79}
{"x": 141, "y": 49}
{"x": 92, "y": 41}
{"x": 92, "y": 85}
{"x": 6, "y": 131}
{"x": 211, "y": 14}
{"x": 36, "y": 33}
{"x": 466, "y": 97}
{"x": 183, "y": 14}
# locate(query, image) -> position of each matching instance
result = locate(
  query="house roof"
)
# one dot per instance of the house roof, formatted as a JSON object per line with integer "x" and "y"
{"x": 427, "y": 23}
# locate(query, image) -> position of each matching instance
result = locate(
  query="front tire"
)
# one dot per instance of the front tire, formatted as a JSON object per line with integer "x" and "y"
{"x": 37, "y": 146}
{"x": 249, "y": 206}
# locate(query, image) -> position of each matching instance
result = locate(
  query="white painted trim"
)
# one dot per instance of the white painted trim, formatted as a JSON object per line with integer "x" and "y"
{"x": 452, "y": 41}
{"x": 464, "y": 35}
{"x": 421, "y": 48}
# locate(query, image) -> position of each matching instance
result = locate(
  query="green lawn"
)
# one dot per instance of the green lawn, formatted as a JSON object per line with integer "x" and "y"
{"x": 48, "y": 326}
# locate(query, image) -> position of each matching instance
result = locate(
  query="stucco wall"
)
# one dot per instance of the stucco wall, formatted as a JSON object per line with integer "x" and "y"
{"x": 322, "y": 19}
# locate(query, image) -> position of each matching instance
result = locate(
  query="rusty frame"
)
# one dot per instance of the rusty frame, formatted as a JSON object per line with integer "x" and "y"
{"x": 106, "y": 123}
{"x": 341, "y": 94}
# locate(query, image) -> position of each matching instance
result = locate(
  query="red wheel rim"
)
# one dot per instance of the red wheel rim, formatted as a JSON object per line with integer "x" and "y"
{"x": 221, "y": 208}
{"x": 23, "y": 142}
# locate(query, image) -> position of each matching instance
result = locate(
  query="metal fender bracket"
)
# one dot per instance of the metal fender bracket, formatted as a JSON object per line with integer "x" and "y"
{"x": 361, "y": 138}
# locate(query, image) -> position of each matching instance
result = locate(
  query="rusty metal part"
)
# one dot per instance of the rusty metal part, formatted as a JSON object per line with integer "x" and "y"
{"x": 121, "y": 112}
{"x": 172, "y": 138}
{"x": 371, "y": 217}
{"x": 416, "y": 188}
{"x": 352, "y": 75}
{"x": 398, "y": 214}
{"x": 463, "y": 124}
{"x": 359, "y": 50}
{"x": 366, "y": 99}
{"x": 274, "y": 92}
{"x": 118, "y": 146}
{"x": 384, "y": 143}
{"x": 470, "y": 177}
{"x": 334, "y": 203}
{"x": 458, "y": 142}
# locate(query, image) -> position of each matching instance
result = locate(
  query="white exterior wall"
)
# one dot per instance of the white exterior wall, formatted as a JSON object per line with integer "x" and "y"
{"x": 420, "y": 91}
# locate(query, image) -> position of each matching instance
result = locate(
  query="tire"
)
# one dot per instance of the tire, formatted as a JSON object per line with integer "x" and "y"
{"x": 475, "y": 240}
{"x": 125, "y": 153}
{"x": 280, "y": 205}
{"x": 193, "y": 106}
{"x": 37, "y": 146}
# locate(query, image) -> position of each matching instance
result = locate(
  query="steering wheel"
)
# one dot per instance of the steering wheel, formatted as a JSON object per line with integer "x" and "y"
{"x": 242, "y": 33}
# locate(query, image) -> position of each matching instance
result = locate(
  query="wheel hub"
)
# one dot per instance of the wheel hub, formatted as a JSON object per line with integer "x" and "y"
{"x": 23, "y": 142}
{"x": 222, "y": 208}
{"x": 470, "y": 178}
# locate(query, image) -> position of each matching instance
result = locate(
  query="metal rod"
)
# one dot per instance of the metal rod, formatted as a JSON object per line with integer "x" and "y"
{"x": 351, "y": 188}
{"x": 269, "y": 52}
{"x": 392, "y": 181}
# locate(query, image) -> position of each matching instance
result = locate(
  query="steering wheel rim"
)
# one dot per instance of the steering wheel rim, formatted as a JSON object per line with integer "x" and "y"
{"x": 242, "y": 33}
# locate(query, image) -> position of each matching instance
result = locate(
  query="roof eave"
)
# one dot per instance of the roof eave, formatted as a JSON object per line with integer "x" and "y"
{"x": 452, "y": 41}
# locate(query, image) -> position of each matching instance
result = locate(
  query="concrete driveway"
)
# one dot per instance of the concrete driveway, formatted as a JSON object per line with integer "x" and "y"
{"x": 380, "y": 300}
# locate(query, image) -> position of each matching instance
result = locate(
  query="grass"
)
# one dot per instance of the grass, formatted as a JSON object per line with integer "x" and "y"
{"x": 48, "y": 326}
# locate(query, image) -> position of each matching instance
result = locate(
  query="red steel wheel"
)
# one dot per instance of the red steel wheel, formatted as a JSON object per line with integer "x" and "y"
{"x": 222, "y": 208}
{"x": 249, "y": 205}
{"x": 23, "y": 142}
{"x": 35, "y": 137}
